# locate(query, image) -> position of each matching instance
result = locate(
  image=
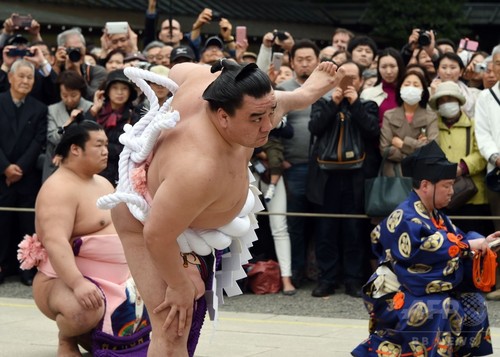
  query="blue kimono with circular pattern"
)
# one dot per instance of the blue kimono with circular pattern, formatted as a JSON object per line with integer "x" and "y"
{"x": 441, "y": 313}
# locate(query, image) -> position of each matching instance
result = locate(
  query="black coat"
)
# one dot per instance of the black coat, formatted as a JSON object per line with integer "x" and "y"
{"x": 364, "y": 116}
{"x": 21, "y": 143}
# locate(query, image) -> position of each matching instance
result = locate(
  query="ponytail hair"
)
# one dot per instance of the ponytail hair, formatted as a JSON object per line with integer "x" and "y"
{"x": 234, "y": 82}
{"x": 76, "y": 133}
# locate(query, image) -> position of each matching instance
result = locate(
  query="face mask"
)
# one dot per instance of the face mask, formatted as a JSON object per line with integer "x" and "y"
{"x": 449, "y": 110}
{"x": 411, "y": 95}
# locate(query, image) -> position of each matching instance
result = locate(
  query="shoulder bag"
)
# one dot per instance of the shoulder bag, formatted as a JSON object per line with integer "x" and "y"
{"x": 342, "y": 147}
{"x": 463, "y": 188}
{"x": 384, "y": 193}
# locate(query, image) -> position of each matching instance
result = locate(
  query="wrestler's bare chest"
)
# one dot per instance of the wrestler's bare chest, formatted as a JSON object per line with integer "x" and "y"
{"x": 89, "y": 219}
{"x": 224, "y": 175}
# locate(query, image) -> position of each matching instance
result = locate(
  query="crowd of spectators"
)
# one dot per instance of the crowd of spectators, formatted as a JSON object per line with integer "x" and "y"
{"x": 399, "y": 100}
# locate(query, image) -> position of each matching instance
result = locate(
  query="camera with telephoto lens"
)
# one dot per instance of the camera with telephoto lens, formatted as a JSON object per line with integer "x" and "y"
{"x": 74, "y": 54}
{"x": 424, "y": 38}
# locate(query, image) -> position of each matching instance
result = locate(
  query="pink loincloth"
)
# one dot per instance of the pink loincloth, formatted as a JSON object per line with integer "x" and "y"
{"x": 100, "y": 258}
{"x": 139, "y": 179}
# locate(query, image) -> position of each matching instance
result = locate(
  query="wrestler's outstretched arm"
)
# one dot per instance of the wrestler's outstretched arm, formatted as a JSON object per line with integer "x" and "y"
{"x": 323, "y": 79}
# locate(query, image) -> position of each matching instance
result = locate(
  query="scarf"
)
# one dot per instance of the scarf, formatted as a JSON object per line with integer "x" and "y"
{"x": 108, "y": 117}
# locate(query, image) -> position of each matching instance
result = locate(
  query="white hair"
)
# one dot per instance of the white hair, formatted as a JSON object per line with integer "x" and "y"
{"x": 496, "y": 50}
{"x": 21, "y": 63}
{"x": 75, "y": 31}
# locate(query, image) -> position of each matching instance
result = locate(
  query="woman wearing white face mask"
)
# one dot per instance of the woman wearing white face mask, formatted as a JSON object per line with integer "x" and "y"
{"x": 408, "y": 126}
{"x": 458, "y": 141}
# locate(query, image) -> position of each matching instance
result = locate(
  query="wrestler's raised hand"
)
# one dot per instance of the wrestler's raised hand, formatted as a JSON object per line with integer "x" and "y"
{"x": 88, "y": 294}
{"x": 180, "y": 302}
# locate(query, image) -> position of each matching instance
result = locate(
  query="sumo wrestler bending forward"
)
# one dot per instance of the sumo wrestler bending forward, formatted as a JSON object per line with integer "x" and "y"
{"x": 197, "y": 178}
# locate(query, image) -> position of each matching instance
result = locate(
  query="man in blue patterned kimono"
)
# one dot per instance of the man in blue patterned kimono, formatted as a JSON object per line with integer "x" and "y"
{"x": 422, "y": 300}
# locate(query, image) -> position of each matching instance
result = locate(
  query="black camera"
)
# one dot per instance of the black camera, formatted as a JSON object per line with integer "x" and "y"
{"x": 74, "y": 54}
{"x": 424, "y": 38}
{"x": 216, "y": 15}
{"x": 17, "y": 52}
{"x": 281, "y": 35}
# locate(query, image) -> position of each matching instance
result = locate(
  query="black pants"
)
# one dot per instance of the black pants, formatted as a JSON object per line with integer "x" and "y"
{"x": 340, "y": 242}
{"x": 14, "y": 225}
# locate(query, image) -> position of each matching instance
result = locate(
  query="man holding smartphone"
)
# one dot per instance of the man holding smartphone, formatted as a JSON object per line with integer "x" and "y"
{"x": 17, "y": 23}
{"x": 171, "y": 32}
{"x": 118, "y": 35}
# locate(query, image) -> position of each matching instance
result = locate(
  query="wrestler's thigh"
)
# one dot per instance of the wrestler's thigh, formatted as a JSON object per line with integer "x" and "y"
{"x": 53, "y": 297}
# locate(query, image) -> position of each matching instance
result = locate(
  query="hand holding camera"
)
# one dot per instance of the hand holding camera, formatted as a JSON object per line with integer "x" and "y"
{"x": 283, "y": 39}
{"x": 216, "y": 16}
{"x": 203, "y": 18}
{"x": 21, "y": 22}
{"x": 226, "y": 29}
{"x": 421, "y": 38}
{"x": 19, "y": 52}
{"x": 68, "y": 57}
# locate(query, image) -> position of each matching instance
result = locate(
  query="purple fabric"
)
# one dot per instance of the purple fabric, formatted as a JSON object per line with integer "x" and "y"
{"x": 106, "y": 345}
{"x": 200, "y": 309}
{"x": 77, "y": 244}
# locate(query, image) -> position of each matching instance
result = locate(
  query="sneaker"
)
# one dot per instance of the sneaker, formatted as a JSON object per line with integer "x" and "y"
{"x": 269, "y": 193}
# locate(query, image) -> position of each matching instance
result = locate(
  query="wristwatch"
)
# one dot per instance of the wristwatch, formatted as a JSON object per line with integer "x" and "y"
{"x": 493, "y": 159}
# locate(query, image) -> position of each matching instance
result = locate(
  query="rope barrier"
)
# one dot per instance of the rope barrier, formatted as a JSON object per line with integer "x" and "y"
{"x": 300, "y": 214}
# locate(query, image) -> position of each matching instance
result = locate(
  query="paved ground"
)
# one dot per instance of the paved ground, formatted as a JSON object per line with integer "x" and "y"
{"x": 302, "y": 304}
{"x": 250, "y": 325}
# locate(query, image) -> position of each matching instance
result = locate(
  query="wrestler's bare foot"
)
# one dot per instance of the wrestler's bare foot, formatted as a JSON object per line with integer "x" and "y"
{"x": 68, "y": 347}
{"x": 325, "y": 76}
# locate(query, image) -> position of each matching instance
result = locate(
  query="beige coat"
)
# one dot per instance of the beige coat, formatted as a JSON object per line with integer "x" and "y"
{"x": 453, "y": 141}
{"x": 396, "y": 124}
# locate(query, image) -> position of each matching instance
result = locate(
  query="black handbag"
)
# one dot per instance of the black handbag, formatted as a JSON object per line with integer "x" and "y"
{"x": 384, "y": 193}
{"x": 341, "y": 148}
{"x": 464, "y": 187}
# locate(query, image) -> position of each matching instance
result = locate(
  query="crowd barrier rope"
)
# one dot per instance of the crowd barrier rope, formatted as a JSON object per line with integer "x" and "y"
{"x": 301, "y": 214}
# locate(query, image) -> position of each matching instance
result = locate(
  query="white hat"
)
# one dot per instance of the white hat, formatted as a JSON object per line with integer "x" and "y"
{"x": 446, "y": 88}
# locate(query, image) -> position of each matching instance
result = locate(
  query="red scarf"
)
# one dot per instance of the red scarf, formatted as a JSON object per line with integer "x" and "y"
{"x": 108, "y": 117}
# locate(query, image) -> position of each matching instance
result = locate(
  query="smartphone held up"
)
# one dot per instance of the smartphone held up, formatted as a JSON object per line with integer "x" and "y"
{"x": 277, "y": 60}
{"x": 113, "y": 28}
{"x": 21, "y": 21}
{"x": 241, "y": 35}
